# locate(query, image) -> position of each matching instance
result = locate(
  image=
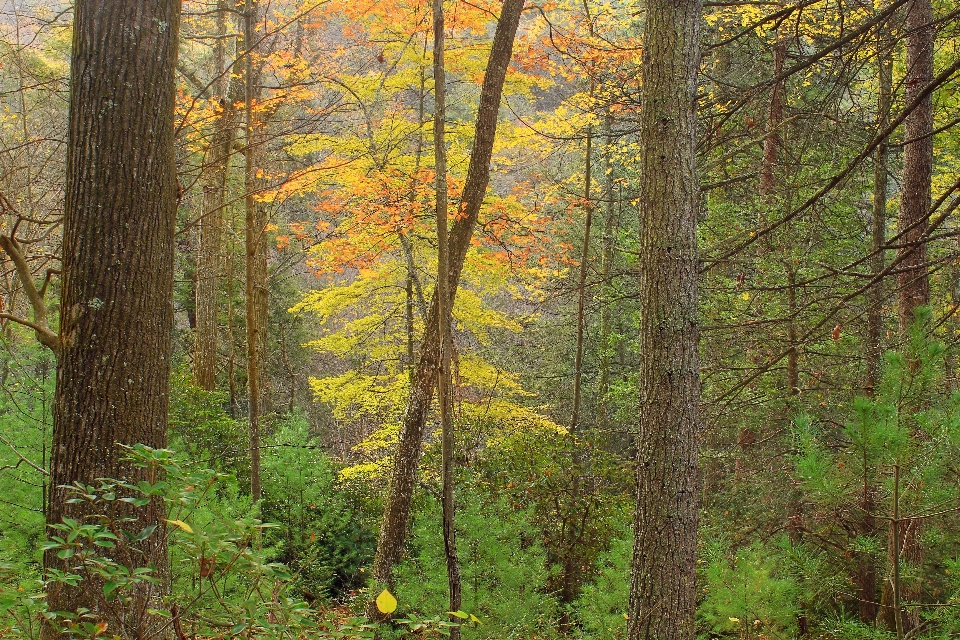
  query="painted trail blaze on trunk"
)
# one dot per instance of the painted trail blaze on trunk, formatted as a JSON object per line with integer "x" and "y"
{"x": 662, "y": 586}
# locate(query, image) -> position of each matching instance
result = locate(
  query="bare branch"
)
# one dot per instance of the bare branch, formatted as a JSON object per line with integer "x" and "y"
{"x": 23, "y": 458}
{"x": 45, "y": 335}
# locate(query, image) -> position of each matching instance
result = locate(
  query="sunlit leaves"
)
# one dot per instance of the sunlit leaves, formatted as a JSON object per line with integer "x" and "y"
{"x": 386, "y": 603}
{"x": 182, "y": 525}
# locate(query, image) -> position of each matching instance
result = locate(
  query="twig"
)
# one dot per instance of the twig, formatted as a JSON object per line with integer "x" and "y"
{"x": 23, "y": 458}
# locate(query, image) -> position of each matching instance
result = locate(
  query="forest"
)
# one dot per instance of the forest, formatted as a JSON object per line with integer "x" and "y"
{"x": 480, "y": 319}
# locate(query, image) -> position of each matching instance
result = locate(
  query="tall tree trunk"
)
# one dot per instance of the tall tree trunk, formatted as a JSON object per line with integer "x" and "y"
{"x": 772, "y": 138}
{"x": 116, "y": 313}
{"x": 570, "y": 577}
{"x": 772, "y": 143}
{"x": 913, "y": 279}
{"x": 767, "y": 190}
{"x": 606, "y": 272}
{"x": 412, "y": 281}
{"x": 211, "y": 221}
{"x": 879, "y": 223}
{"x": 397, "y": 509}
{"x": 662, "y": 586}
{"x": 903, "y": 549}
{"x": 255, "y": 245}
{"x": 866, "y": 577}
{"x": 231, "y": 269}
{"x": 769, "y": 170}
{"x": 950, "y": 361}
{"x": 582, "y": 280}
{"x": 288, "y": 369}
{"x": 917, "y": 162}
{"x": 444, "y": 380}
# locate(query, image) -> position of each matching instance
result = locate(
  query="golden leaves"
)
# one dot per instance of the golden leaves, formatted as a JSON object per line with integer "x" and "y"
{"x": 386, "y": 603}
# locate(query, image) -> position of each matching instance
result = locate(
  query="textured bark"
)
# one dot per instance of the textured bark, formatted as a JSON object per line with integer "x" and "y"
{"x": 903, "y": 544}
{"x": 211, "y": 221}
{"x": 662, "y": 586}
{"x": 950, "y": 360}
{"x": 771, "y": 146}
{"x": 255, "y": 246}
{"x": 412, "y": 281}
{"x": 917, "y": 161}
{"x": 793, "y": 336}
{"x": 397, "y": 509}
{"x": 117, "y": 302}
{"x": 231, "y": 269}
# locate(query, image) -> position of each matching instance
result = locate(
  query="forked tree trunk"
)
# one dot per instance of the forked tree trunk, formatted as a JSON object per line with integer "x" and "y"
{"x": 117, "y": 302}
{"x": 662, "y": 586}
{"x": 396, "y": 514}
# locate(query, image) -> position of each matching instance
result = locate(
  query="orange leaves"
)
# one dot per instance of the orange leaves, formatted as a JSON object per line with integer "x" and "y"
{"x": 361, "y": 221}
{"x": 377, "y": 20}
{"x": 297, "y": 228}
{"x": 565, "y": 41}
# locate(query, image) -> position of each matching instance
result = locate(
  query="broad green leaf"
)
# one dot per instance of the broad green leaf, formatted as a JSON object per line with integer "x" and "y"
{"x": 146, "y": 533}
{"x": 109, "y": 587}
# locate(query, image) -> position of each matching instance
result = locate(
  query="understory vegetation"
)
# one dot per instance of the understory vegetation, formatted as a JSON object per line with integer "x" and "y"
{"x": 667, "y": 348}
